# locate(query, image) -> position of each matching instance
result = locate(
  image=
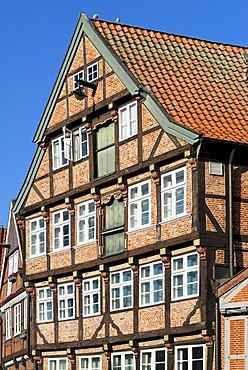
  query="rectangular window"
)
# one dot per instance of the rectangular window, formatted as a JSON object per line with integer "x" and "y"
{"x": 92, "y": 72}
{"x": 105, "y": 150}
{"x": 173, "y": 191}
{"x": 151, "y": 284}
{"x": 61, "y": 230}
{"x": 90, "y": 363}
{"x": 139, "y": 205}
{"x": 76, "y": 144}
{"x": 215, "y": 168}
{"x": 121, "y": 290}
{"x": 190, "y": 357}
{"x": 86, "y": 222}
{"x": 154, "y": 359}
{"x": 12, "y": 270}
{"x": 66, "y": 302}
{"x": 91, "y": 297}
{"x": 8, "y": 322}
{"x": 113, "y": 232}
{"x": 185, "y": 276}
{"x": 76, "y": 77}
{"x": 58, "y": 149}
{"x": 57, "y": 364}
{"x": 25, "y": 313}
{"x": 123, "y": 361}
{"x": 17, "y": 319}
{"x": 128, "y": 125}
{"x": 45, "y": 304}
{"x": 37, "y": 237}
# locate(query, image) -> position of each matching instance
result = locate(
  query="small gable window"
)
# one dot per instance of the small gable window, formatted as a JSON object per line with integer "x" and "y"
{"x": 58, "y": 149}
{"x": 76, "y": 144}
{"x": 128, "y": 125}
{"x": 76, "y": 77}
{"x": 37, "y": 236}
{"x": 92, "y": 72}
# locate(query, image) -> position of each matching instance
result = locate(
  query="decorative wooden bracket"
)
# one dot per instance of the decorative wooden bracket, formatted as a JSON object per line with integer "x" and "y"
{"x": 155, "y": 173}
{"x": 134, "y": 348}
{"x": 70, "y": 205}
{"x": 87, "y": 122}
{"x": 104, "y": 270}
{"x": 21, "y": 223}
{"x": 77, "y": 276}
{"x": 107, "y": 350}
{"x": 96, "y": 196}
{"x": 71, "y": 355}
{"x": 29, "y": 287}
{"x": 52, "y": 281}
{"x": 45, "y": 213}
{"x": 44, "y": 145}
{"x": 165, "y": 256}
{"x": 169, "y": 343}
{"x": 36, "y": 354}
{"x": 122, "y": 182}
{"x": 134, "y": 265}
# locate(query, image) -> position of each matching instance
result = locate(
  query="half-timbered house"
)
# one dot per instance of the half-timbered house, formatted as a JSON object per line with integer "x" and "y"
{"x": 135, "y": 201}
{"x": 14, "y": 348}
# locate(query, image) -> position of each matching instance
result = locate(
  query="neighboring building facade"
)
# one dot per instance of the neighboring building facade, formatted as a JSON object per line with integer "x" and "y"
{"x": 134, "y": 200}
{"x": 13, "y": 304}
{"x": 233, "y": 321}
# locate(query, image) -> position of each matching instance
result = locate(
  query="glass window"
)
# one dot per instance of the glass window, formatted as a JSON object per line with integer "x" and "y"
{"x": 123, "y": 361}
{"x": 76, "y": 77}
{"x": 151, "y": 283}
{"x": 128, "y": 125}
{"x": 45, "y": 304}
{"x": 190, "y": 357}
{"x": 17, "y": 319}
{"x": 61, "y": 229}
{"x": 8, "y": 322}
{"x": 121, "y": 290}
{"x": 37, "y": 236}
{"x": 185, "y": 276}
{"x": 154, "y": 359}
{"x": 139, "y": 205}
{"x": 58, "y": 149}
{"x": 66, "y": 301}
{"x": 90, "y": 363}
{"x": 57, "y": 364}
{"x": 86, "y": 222}
{"x": 91, "y": 296}
{"x": 92, "y": 72}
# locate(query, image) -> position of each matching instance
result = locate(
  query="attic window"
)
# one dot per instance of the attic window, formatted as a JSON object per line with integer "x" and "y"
{"x": 76, "y": 77}
{"x": 92, "y": 72}
{"x": 215, "y": 168}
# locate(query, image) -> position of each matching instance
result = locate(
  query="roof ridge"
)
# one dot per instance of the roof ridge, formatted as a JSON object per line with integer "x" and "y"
{"x": 169, "y": 34}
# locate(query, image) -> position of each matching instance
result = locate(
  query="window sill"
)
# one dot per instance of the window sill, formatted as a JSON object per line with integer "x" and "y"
{"x": 151, "y": 305}
{"x": 186, "y": 298}
{"x": 67, "y": 249}
{"x": 175, "y": 218}
{"x": 93, "y": 241}
{"x": 36, "y": 256}
{"x": 140, "y": 229}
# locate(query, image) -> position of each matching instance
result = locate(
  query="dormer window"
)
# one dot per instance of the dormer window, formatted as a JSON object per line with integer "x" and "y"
{"x": 92, "y": 72}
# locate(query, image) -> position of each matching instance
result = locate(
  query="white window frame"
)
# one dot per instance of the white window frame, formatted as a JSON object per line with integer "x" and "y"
{"x": 77, "y": 76}
{"x": 37, "y": 247}
{"x": 90, "y": 360}
{"x": 76, "y": 144}
{"x": 58, "y": 154}
{"x": 8, "y": 324}
{"x": 91, "y": 297}
{"x": 92, "y": 74}
{"x": 152, "y": 364}
{"x": 128, "y": 121}
{"x": 179, "y": 361}
{"x": 44, "y": 302}
{"x": 118, "y": 296}
{"x": 136, "y": 204}
{"x": 64, "y": 300}
{"x": 17, "y": 319}
{"x": 85, "y": 217}
{"x": 123, "y": 365}
{"x": 173, "y": 190}
{"x": 13, "y": 261}
{"x": 148, "y": 281}
{"x": 25, "y": 313}
{"x": 183, "y": 274}
{"x": 56, "y": 362}
{"x": 60, "y": 227}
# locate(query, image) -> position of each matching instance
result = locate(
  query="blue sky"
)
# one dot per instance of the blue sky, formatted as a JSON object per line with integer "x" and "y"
{"x": 34, "y": 39}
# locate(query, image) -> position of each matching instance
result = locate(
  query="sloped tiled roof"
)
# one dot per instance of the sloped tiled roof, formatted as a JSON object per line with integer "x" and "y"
{"x": 201, "y": 84}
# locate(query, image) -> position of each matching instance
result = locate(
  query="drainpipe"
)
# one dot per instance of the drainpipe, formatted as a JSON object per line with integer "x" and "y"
{"x": 217, "y": 335}
{"x": 230, "y": 215}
